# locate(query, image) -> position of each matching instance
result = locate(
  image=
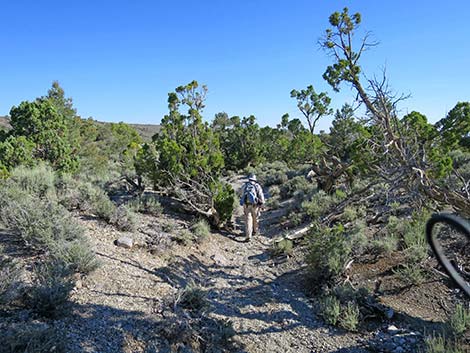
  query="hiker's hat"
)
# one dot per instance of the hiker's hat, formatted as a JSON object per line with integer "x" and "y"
{"x": 252, "y": 177}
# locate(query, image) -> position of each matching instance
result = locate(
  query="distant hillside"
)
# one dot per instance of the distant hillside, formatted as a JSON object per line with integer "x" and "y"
{"x": 5, "y": 123}
{"x": 146, "y": 131}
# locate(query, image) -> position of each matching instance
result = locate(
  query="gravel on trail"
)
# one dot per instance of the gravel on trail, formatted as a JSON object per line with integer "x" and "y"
{"x": 119, "y": 306}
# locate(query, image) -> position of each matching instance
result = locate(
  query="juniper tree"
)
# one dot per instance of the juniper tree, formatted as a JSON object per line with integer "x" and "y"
{"x": 400, "y": 161}
{"x": 312, "y": 105}
{"x": 40, "y": 123}
{"x": 189, "y": 160}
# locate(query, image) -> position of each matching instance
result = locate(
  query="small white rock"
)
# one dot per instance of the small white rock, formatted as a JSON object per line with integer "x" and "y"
{"x": 125, "y": 242}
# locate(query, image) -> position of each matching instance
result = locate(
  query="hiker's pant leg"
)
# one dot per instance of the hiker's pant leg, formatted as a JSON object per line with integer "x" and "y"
{"x": 255, "y": 215}
{"x": 248, "y": 220}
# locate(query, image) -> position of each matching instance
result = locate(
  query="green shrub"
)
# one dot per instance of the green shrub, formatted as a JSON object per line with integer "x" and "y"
{"x": 201, "y": 230}
{"x": 299, "y": 187}
{"x": 414, "y": 239}
{"x": 192, "y": 298}
{"x": 459, "y": 322}
{"x": 340, "y": 194}
{"x": 358, "y": 238}
{"x": 38, "y": 181}
{"x": 353, "y": 213}
{"x": 184, "y": 237}
{"x": 32, "y": 338}
{"x": 85, "y": 196}
{"x": 97, "y": 201}
{"x": 349, "y": 214}
{"x": 295, "y": 218}
{"x": 436, "y": 344}
{"x": 283, "y": 247}
{"x": 146, "y": 204}
{"x": 341, "y": 307}
{"x": 274, "y": 190}
{"x": 104, "y": 208}
{"x": 330, "y": 309}
{"x": 411, "y": 274}
{"x": 77, "y": 255}
{"x": 40, "y": 223}
{"x": 319, "y": 204}
{"x": 394, "y": 206}
{"x": 278, "y": 177}
{"x": 252, "y": 170}
{"x": 49, "y": 296}
{"x": 82, "y": 195}
{"x": 152, "y": 205}
{"x": 124, "y": 218}
{"x": 30, "y": 219}
{"x": 272, "y": 203}
{"x": 349, "y": 318}
{"x": 412, "y": 234}
{"x": 169, "y": 227}
{"x": 201, "y": 332}
{"x": 328, "y": 254}
{"x": 224, "y": 201}
{"x": 268, "y": 174}
{"x": 219, "y": 333}
{"x": 385, "y": 245}
{"x": 417, "y": 253}
{"x": 440, "y": 344}
{"x": 395, "y": 227}
{"x": 45, "y": 225}
{"x": 67, "y": 193}
{"x": 347, "y": 294}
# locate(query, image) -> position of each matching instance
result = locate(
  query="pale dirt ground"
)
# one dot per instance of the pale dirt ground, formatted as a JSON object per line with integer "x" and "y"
{"x": 119, "y": 305}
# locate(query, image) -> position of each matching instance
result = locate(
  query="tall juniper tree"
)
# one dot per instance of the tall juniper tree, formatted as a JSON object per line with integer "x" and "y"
{"x": 189, "y": 160}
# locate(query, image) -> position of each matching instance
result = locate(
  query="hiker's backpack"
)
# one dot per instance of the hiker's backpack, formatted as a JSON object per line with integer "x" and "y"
{"x": 250, "y": 196}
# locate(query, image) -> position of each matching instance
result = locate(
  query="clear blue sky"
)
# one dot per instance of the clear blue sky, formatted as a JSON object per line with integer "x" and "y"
{"x": 119, "y": 59}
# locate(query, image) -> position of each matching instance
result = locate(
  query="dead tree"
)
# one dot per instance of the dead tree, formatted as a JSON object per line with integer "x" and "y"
{"x": 403, "y": 163}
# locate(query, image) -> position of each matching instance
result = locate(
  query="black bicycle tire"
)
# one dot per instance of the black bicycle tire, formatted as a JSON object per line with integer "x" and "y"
{"x": 463, "y": 226}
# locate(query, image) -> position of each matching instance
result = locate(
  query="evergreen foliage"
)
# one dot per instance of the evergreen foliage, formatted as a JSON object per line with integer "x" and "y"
{"x": 40, "y": 132}
{"x": 187, "y": 160}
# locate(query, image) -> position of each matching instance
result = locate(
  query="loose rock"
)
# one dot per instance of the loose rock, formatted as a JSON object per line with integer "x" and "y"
{"x": 125, "y": 242}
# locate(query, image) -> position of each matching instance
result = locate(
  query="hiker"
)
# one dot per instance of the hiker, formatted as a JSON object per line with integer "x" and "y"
{"x": 252, "y": 200}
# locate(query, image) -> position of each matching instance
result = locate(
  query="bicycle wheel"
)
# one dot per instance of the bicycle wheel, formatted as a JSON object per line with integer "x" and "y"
{"x": 449, "y": 238}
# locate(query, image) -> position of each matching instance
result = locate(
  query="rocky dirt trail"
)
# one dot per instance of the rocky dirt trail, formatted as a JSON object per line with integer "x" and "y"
{"x": 264, "y": 300}
{"x": 118, "y": 307}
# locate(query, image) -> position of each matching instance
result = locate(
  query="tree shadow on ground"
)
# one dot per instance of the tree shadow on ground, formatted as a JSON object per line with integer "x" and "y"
{"x": 181, "y": 271}
{"x": 99, "y": 328}
{"x": 265, "y": 306}
{"x": 102, "y": 328}
{"x": 245, "y": 297}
